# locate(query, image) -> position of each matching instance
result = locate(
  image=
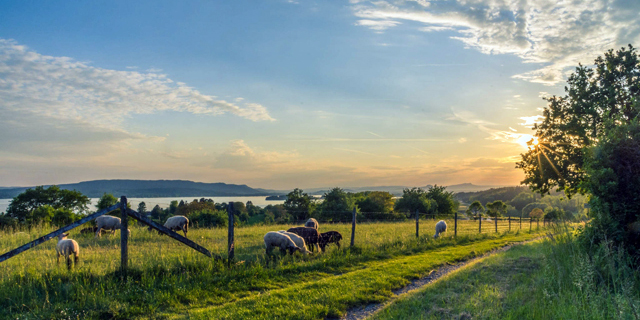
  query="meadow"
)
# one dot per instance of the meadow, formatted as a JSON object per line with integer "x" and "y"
{"x": 167, "y": 279}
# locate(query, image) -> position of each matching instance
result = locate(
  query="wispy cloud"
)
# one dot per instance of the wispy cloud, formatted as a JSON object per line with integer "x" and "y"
{"x": 555, "y": 34}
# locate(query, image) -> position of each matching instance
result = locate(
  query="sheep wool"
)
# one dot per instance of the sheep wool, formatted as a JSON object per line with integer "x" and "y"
{"x": 312, "y": 223}
{"x": 275, "y": 239}
{"x": 108, "y": 223}
{"x": 176, "y": 223}
{"x": 298, "y": 240}
{"x": 441, "y": 227}
{"x": 67, "y": 247}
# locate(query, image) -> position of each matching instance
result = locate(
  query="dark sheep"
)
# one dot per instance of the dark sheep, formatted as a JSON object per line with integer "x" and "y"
{"x": 88, "y": 230}
{"x": 330, "y": 237}
{"x": 311, "y": 236}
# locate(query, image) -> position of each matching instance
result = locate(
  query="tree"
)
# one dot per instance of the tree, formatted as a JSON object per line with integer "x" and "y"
{"x": 23, "y": 205}
{"x": 522, "y": 199}
{"x": 496, "y": 209}
{"x": 475, "y": 209}
{"x": 536, "y": 213}
{"x": 414, "y": 199}
{"x": 173, "y": 207}
{"x": 337, "y": 206}
{"x": 531, "y": 206}
{"x": 298, "y": 204}
{"x": 444, "y": 201}
{"x": 142, "y": 208}
{"x": 597, "y": 101}
{"x": 376, "y": 201}
{"x": 106, "y": 201}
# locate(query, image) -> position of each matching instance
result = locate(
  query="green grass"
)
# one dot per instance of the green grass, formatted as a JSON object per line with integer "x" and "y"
{"x": 554, "y": 279}
{"x": 167, "y": 279}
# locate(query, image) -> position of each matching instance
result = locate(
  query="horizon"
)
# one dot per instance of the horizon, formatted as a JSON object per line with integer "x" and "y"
{"x": 288, "y": 93}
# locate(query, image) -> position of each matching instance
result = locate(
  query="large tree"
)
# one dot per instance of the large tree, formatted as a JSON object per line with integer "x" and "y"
{"x": 298, "y": 204}
{"x": 24, "y": 204}
{"x": 337, "y": 206}
{"x": 415, "y": 199}
{"x": 475, "y": 209}
{"x": 597, "y": 99}
{"x": 444, "y": 201}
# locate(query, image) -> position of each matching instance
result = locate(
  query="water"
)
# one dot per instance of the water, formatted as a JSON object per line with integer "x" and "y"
{"x": 164, "y": 202}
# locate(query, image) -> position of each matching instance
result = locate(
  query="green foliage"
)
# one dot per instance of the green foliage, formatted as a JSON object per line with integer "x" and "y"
{"x": 475, "y": 209}
{"x": 208, "y": 218}
{"x": 188, "y": 208}
{"x": 444, "y": 201}
{"x": 496, "y": 209}
{"x": 505, "y": 194}
{"x": 7, "y": 222}
{"x": 522, "y": 199}
{"x": 555, "y": 214}
{"x": 415, "y": 199}
{"x": 299, "y": 204}
{"x": 377, "y": 205}
{"x": 173, "y": 207}
{"x": 142, "y": 208}
{"x": 337, "y": 206}
{"x": 536, "y": 213}
{"x": 106, "y": 201}
{"x": 528, "y": 208}
{"x": 598, "y": 100}
{"x": 22, "y": 207}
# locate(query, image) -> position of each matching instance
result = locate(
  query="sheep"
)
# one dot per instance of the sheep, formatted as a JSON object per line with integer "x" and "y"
{"x": 66, "y": 247}
{"x": 298, "y": 240}
{"x": 441, "y": 227}
{"x": 312, "y": 223}
{"x": 311, "y": 236}
{"x": 87, "y": 230}
{"x": 330, "y": 237}
{"x": 108, "y": 223}
{"x": 275, "y": 239}
{"x": 176, "y": 223}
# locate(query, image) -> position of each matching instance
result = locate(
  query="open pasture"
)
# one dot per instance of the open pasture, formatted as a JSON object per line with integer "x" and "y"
{"x": 167, "y": 277}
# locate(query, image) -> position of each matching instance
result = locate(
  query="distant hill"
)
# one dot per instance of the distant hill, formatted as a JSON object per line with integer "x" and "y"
{"x": 490, "y": 195}
{"x": 152, "y": 188}
{"x": 397, "y": 190}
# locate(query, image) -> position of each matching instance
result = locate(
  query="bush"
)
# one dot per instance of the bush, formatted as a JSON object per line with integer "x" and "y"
{"x": 209, "y": 218}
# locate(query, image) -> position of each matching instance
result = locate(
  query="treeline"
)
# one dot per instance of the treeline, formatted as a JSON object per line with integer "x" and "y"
{"x": 60, "y": 207}
{"x": 520, "y": 201}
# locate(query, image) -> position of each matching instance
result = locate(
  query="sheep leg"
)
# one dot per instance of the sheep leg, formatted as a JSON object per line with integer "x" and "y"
{"x": 98, "y": 233}
{"x": 75, "y": 259}
{"x": 69, "y": 262}
{"x": 338, "y": 244}
{"x": 58, "y": 260}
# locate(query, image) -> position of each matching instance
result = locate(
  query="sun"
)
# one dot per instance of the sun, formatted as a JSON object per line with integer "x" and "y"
{"x": 527, "y": 140}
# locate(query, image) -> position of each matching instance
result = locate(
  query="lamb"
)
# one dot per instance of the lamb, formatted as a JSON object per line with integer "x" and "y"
{"x": 275, "y": 239}
{"x": 176, "y": 223}
{"x": 311, "y": 236}
{"x": 67, "y": 247}
{"x": 312, "y": 223}
{"x": 108, "y": 223}
{"x": 330, "y": 237}
{"x": 441, "y": 227}
{"x": 298, "y": 240}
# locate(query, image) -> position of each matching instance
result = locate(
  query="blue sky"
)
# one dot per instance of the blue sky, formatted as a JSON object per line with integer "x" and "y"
{"x": 284, "y": 94}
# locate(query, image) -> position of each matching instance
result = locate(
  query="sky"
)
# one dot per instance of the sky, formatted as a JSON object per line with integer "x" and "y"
{"x": 284, "y": 94}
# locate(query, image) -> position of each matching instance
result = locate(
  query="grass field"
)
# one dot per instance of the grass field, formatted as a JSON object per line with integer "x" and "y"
{"x": 168, "y": 279}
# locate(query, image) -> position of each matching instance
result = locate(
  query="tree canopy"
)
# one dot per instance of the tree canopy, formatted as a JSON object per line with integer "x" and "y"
{"x": 475, "y": 209}
{"x": 298, "y": 204}
{"x": 24, "y": 204}
{"x": 414, "y": 199}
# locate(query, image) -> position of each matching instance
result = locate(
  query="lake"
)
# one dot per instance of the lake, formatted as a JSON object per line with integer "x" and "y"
{"x": 164, "y": 202}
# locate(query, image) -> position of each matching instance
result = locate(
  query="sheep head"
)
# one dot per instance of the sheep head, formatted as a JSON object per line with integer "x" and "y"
{"x": 62, "y": 236}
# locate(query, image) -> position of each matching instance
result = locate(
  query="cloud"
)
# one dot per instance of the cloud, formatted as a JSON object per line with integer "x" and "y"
{"x": 555, "y": 34}
{"x": 61, "y": 88}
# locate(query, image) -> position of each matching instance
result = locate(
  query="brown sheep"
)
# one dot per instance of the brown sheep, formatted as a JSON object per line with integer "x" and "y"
{"x": 311, "y": 236}
{"x": 330, "y": 237}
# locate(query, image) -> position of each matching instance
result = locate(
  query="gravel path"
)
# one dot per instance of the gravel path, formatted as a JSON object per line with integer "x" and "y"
{"x": 363, "y": 312}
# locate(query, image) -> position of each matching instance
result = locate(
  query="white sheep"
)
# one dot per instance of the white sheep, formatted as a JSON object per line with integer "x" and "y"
{"x": 441, "y": 227}
{"x": 67, "y": 247}
{"x": 312, "y": 223}
{"x": 298, "y": 240}
{"x": 108, "y": 223}
{"x": 176, "y": 223}
{"x": 275, "y": 239}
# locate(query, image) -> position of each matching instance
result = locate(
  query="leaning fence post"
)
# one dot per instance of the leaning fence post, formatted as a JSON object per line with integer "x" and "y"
{"x": 124, "y": 235}
{"x": 230, "y": 244}
{"x": 455, "y": 224}
{"x": 353, "y": 228}
{"x": 417, "y": 224}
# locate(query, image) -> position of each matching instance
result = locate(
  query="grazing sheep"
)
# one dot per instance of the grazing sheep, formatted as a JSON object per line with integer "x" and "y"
{"x": 312, "y": 223}
{"x": 90, "y": 230}
{"x": 66, "y": 247}
{"x": 108, "y": 223}
{"x": 298, "y": 240}
{"x": 330, "y": 237}
{"x": 441, "y": 227}
{"x": 176, "y": 223}
{"x": 275, "y": 239}
{"x": 311, "y": 236}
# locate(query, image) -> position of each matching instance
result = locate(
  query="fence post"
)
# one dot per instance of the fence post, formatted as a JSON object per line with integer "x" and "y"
{"x": 455, "y": 224}
{"x": 496, "y": 219}
{"x": 230, "y": 240}
{"x": 530, "y": 219}
{"x": 521, "y": 222}
{"x": 538, "y": 223}
{"x": 353, "y": 228}
{"x": 480, "y": 224}
{"x": 417, "y": 224}
{"x": 124, "y": 235}
{"x": 509, "y": 223}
